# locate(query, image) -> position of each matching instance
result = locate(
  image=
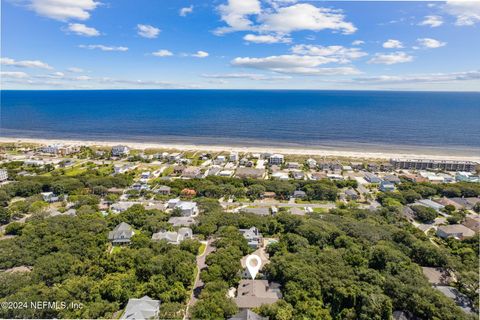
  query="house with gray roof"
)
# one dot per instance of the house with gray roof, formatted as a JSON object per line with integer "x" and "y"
{"x": 299, "y": 194}
{"x": 247, "y": 314}
{"x": 164, "y": 190}
{"x": 458, "y": 298}
{"x": 255, "y": 173}
{"x": 121, "y": 234}
{"x": 431, "y": 204}
{"x": 254, "y": 293}
{"x": 351, "y": 194}
{"x": 181, "y": 221}
{"x": 141, "y": 309}
{"x": 253, "y": 236}
{"x": 372, "y": 178}
{"x": 392, "y": 178}
{"x": 121, "y": 206}
{"x": 173, "y": 237}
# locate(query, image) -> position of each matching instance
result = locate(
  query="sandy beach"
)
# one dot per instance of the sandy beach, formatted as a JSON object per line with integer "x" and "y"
{"x": 417, "y": 153}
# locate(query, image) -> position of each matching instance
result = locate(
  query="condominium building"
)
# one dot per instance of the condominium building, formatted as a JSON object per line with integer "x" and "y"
{"x": 420, "y": 164}
{"x": 3, "y": 175}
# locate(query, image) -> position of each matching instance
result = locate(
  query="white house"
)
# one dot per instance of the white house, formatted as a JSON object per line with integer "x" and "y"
{"x": 276, "y": 159}
{"x": 187, "y": 208}
{"x": 219, "y": 160}
{"x": 50, "y": 197}
{"x": 3, "y": 175}
{"x": 311, "y": 163}
{"x": 118, "y": 168}
{"x": 145, "y": 175}
{"x": 144, "y": 308}
{"x": 173, "y": 237}
{"x": 234, "y": 156}
{"x": 118, "y": 151}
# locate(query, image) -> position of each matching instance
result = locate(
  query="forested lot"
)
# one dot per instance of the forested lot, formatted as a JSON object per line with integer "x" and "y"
{"x": 71, "y": 262}
{"x": 348, "y": 264}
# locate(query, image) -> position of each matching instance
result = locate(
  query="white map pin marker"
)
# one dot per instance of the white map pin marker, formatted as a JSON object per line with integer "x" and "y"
{"x": 254, "y": 263}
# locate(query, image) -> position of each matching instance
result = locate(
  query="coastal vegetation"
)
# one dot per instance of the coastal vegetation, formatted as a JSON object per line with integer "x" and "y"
{"x": 342, "y": 263}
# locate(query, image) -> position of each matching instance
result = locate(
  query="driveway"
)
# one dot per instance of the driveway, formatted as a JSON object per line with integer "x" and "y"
{"x": 198, "y": 286}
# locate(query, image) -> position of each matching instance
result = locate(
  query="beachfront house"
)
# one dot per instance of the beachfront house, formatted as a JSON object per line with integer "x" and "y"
{"x": 276, "y": 159}
{"x": 3, "y": 175}
{"x": 119, "y": 151}
{"x": 311, "y": 163}
{"x": 234, "y": 157}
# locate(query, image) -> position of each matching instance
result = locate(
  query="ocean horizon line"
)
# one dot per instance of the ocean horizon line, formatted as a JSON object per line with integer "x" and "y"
{"x": 245, "y": 89}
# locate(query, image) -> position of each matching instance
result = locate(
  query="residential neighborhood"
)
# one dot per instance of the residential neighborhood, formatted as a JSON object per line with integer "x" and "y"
{"x": 214, "y": 209}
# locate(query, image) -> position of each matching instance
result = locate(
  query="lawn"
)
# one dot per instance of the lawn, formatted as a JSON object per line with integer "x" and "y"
{"x": 116, "y": 249}
{"x": 202, "y": 248}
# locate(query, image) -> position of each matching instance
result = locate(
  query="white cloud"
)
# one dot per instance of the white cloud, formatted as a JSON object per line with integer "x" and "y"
{"x": 200, "y": 54}
{"x": 102, "y": 47}
{"x": 75, "y": 70}
{"x": 391, "y": 58}
{"x": 430, "y": 43}
{"x": 267, "y": 38}
{"x": 162, "y": 53}
{"x": 13, "y": 74}
{"x": 55, "y": 75}
{"x": 304, "y": 16}
{"x": 392, "y": 44}
{"x": 358, "y": 42}
{"x": 184, "y": 11}
{"x": 235, "y": 14}
{"x": 63, "y": 10}
{"x": 432, "y": 21}
{"x": 434, "y": 77}
{"x": 24, "y": 63}
{"x": 293, "y": 64}
{"x": 249, "y": 76}
{"x": 467, "y": 13}
{"x": 338, "y": 54}
{"x": 147, "y": 31}
{"x": 82, "y": 78}
{"x": 82, "y": 30}
{"x": 247, "y": 15}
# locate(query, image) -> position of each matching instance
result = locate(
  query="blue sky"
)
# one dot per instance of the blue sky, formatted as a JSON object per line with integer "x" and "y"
{"x": 225, "y": 44}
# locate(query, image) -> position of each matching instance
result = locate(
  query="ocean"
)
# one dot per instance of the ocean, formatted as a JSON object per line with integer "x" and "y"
{"x": 329, "y": 119}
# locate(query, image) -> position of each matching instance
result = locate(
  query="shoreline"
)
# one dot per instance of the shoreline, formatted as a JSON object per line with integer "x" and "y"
{"x": 413, "y": 153}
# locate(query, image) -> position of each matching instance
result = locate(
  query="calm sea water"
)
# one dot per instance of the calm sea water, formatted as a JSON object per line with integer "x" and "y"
{"x": 310, "y": 118}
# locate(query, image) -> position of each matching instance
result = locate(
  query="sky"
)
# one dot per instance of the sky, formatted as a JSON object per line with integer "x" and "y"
{"x": 240, "y": 44}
